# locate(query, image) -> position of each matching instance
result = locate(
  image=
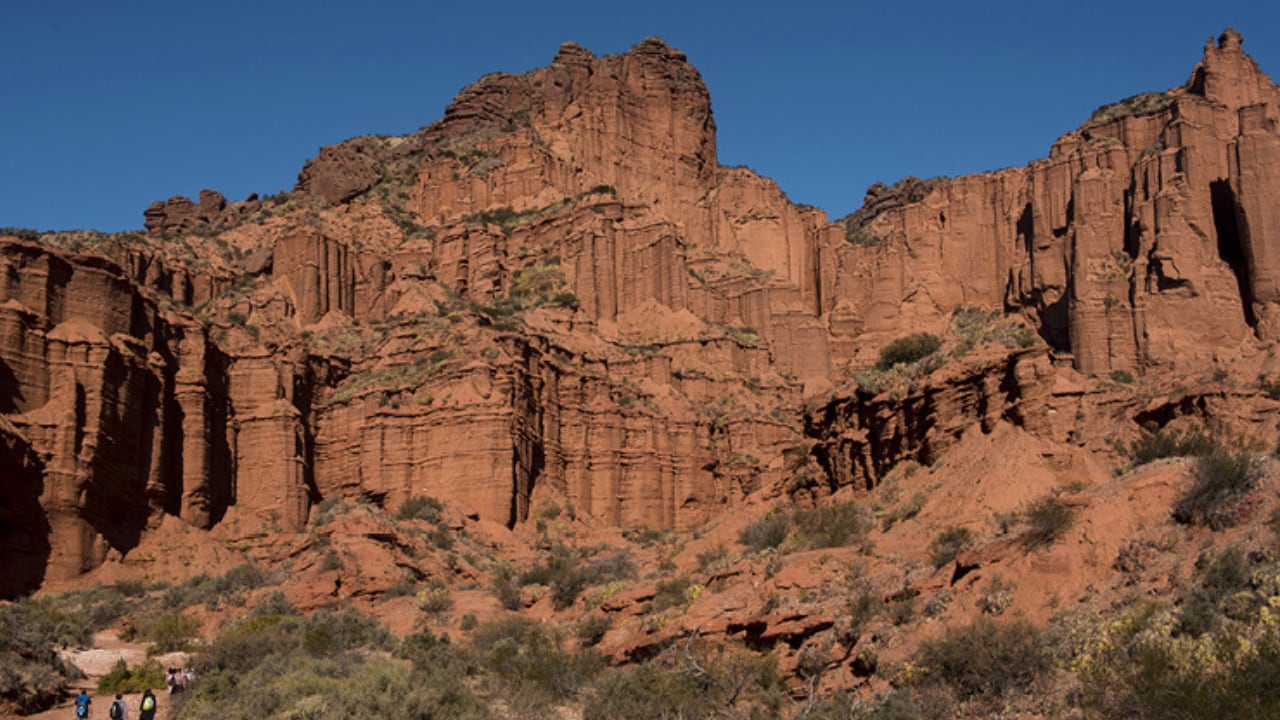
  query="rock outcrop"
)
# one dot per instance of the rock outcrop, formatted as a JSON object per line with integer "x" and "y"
{"x": 555, "y": 293}
{"x": 1130, "y": 246}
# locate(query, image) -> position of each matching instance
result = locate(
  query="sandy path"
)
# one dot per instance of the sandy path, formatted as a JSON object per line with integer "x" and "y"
{"x": 97, "y": 661}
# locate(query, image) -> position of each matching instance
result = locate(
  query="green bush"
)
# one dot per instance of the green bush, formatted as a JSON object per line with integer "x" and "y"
{"x": 330, "y": 664}
{"x": 690, "y": 682}
{"x": 1047, "y": 519}
{"x": 1171, "y": 442}
{"x": 430, "y": 652}
{"x": 671, "y": 593}
{"x": 92, "y": 608}
{"x": 1223, "y": 493}
{"x": 32, "y": 675}
{"x": 564, "y": 572}
{"x": 229, "y": 589}
{"x": 506, "y": 588}
{"x": 526, "y": 665}
{"x": 905, "y": 511}
{"x": 986, "y": 659}
{"x": 120, "y": 679}
{"x": 973, "y": 326}
{"x": 1149, "y": 672}
{"x": 327, "y": 633}
{"x": 168, "y": 632}
{"x": 275, "y": 604}
{"x": 829, "y": 526}
{"x": 769, "y": 531}
{"x": 591, "y": 629}
{"x": 418, "y": 507}
{"x": 1122, "y": 377}
{"x": 948, "y": 544}
{"x": 908, "y": 349}
{"x": 347, "y": 686}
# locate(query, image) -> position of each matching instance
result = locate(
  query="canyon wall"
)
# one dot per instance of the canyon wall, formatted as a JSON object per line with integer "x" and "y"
{"x": 555, "y": 293}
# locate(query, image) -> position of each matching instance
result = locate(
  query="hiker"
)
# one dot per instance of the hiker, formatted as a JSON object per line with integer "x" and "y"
{"x": 82, "y": 704}
{"x": 118, "y": 711}
{"x": 147, "y": 706}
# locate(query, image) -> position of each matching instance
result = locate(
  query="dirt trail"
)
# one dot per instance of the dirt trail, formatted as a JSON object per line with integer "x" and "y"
{"x": 97, "y": 661}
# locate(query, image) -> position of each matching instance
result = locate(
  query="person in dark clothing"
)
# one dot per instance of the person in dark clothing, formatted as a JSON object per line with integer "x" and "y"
{"x": 147, "y": 708}
{"x": 118, "y": 710}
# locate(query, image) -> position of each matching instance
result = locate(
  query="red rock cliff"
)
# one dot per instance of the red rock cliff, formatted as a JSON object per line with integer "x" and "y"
{"x": 556, "y": 292}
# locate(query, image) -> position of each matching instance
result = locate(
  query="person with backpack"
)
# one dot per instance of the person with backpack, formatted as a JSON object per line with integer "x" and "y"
{"x": 148, "y": 706}
{"x": 82, "y": 704}
{"x": 118, "y": 711}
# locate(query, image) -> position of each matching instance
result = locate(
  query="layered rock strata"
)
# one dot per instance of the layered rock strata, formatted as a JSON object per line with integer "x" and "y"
{"x": 556, "y": 293}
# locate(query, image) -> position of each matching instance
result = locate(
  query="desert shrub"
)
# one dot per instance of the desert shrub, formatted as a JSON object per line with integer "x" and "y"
{"x": 986, "y": 659}
{"x": 419, "y": 507}
{"x": 1226, "y": 589}
{"x": 32, "y": 675}
{"x": 1122, "y": 377}
{"x": 904, "y": 511}
{"x": 1223, "y": 493}
{"x": 429, "y": 652}
{"x": 259, "y": 638}
{"x": 690, "y": 682}
{"x": 608, "y": 568}
{"x": 290, "y": 666}
{"x": 646, "y": 691}
{"x": 861, "y": 235}
{"x": 1047, "y": 520}
{"x": 644, "y": 536}
{"x": 564, "y": 572}
{"x": 908, "y": 349}
{"x": 591, "y": 629}
{"x": 1155, "y": 444}
{"x": 1156, "y": 685}
{"x": 828, "y": 526}
{"x": 347, "y": 686}
{"x": 948, "y": 544}
{"x": 121, "y": 679}
{"x": 1227, "y": 571}
{"x": 1142, "y": 104}
{"x": 1199, "y": 615}
{"x": 525, "y": 663}
{"x": 506, "y": 588}
{"x": 769, "y": 531}
{"x": 713, "y": 559}
{"x": 973, "y": 326}
{"x": 167, "y": 632}
{"x": 275, "y": 604}
{"x": 1135, "y": 557}
{"x": 328, "y": 509}
{"x": 862, "y": 605}
{"x": 435, "y": 600}
{"x": 327, "y": 633}
{"x": 229, "y": 588}
{"x": 671, "y": 593}
{"x": 21, "y": 233}
{"x": 1144, "y": 666}
{"x": 95, "y": 607}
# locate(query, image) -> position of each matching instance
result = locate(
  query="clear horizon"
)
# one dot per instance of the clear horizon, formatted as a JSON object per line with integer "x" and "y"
{"x": 107, "y": 109}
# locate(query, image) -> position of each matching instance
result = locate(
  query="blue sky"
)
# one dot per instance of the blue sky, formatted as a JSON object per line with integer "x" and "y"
{"x": 107, "y": 105}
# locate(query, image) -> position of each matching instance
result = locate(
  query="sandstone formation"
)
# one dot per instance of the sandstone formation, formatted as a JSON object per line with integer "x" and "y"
{"x": 1129, "y": 246}
{"x": 556, "y": 293}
